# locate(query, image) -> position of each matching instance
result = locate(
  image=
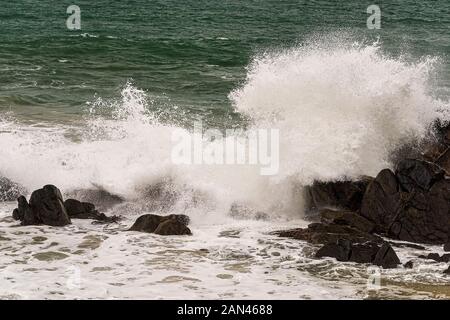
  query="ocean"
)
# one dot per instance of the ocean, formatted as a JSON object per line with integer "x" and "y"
{"x": 95, "y": 109}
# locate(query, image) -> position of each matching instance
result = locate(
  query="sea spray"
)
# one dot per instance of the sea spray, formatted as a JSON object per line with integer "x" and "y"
{"x": 340, "y": 111}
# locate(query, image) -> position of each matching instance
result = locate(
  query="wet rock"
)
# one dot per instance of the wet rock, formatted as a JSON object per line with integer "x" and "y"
{"x": 413, "y": 174}
{"x": 46, "y": 206}
{"x": 386, "y": 257}
{"x": 172, "y": 227}
{"x": 409, "y": 264}
{"x": 9, "y": 190}
{"x": 413, "y": 206}
{"x": 369, "y": 252}
{"x": 152, "y": 223}
{"x": 341, "y": 250}
{"x": 348, "y": 218}
{"x": 85, "y": 210}
{"x": 345, "y": 195}
{"x": 447, "y": 247}
{"x": 436, "y": 257}
{"x": 318, "y": 233}
{"x": 364, "y": 253}
{"x": 24, "y": 213}
{"x": 147, "y": 223}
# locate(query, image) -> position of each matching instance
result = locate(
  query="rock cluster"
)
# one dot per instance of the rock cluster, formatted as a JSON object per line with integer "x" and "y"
{"x": 411, "y": 203}
{"x": 46, "y": 206}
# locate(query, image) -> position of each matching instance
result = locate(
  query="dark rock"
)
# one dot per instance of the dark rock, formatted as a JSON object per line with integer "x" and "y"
{"x": 436, "y": 257}
{"x": 340, "y": 250}
{"x": 46, "y": 207}
{"x": 147, "y": 223}
{"x": 344, "y": 250}
{"x": 172, "y": 227}
{"x": 10, "y": 191}
{"x": 364, "y": 253}
{"x": 348, "y": 218}
{"x": 381, "y": 200}
{"x": 345, "y": 195}
{"x": 24, "y": 213}
{"x": 421, "y": 215}
{"x": 413, "y": 174}
{"x": 447, "y": 247}
{"x": 153, "y": 223}
{"x": 409, "y": 264}
{"x": 386, "y": 257}
{"x": 85, "y": 210}
{"x": 319, "y": 233}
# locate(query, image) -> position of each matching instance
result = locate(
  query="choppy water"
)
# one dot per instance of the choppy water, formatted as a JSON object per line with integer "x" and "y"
{"x": 97, "y": 107}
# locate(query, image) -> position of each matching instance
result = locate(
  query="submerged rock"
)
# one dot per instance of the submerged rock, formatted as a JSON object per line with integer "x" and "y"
{"x": 46, "y": 207}
{"x": 173, "y": 224}
{"x": 9, "y": 190}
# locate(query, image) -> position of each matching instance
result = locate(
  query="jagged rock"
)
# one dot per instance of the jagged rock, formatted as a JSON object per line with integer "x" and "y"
{"x": 9, "y": 190}
{"x": 386, "y": 257}
{"x": 24, "y": 213}
{"x": 151, "y": 222}
{"x": 46, "y": 207}
{"x": 348, "y": 218}
{"x": 364, "y": 253}
{"x": 409, "y": 264}
{"x": 413, "y": 174}
{"x": 340, "y": 194}
{"x": 320, "y": 233}
{"x": 172, "y": 227}
{"x": 421, "y": 215}
{"x": 436, "y": 257}
{"x": 369, "y": 252}
{"x": 340, "y": 250}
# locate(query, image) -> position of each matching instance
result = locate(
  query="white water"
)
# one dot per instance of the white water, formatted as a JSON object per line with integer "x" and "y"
{"x": 341, "y": 110}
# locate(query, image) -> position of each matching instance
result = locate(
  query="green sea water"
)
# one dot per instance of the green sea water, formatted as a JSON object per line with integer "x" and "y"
{"x": 186, "y": 55}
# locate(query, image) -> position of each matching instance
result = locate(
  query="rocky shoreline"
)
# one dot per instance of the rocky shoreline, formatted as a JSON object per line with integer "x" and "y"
{"x": 351, "y": 220}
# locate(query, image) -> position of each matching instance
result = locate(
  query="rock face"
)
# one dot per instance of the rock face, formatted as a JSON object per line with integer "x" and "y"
{"x": 46, "y": 207}
{"x": 10, "y": 191}
{"x": 411, "y": 205}
{"x": 345, "y": 195}
{"x": 163, "y": 225}
{"x": 368, "y": 252}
